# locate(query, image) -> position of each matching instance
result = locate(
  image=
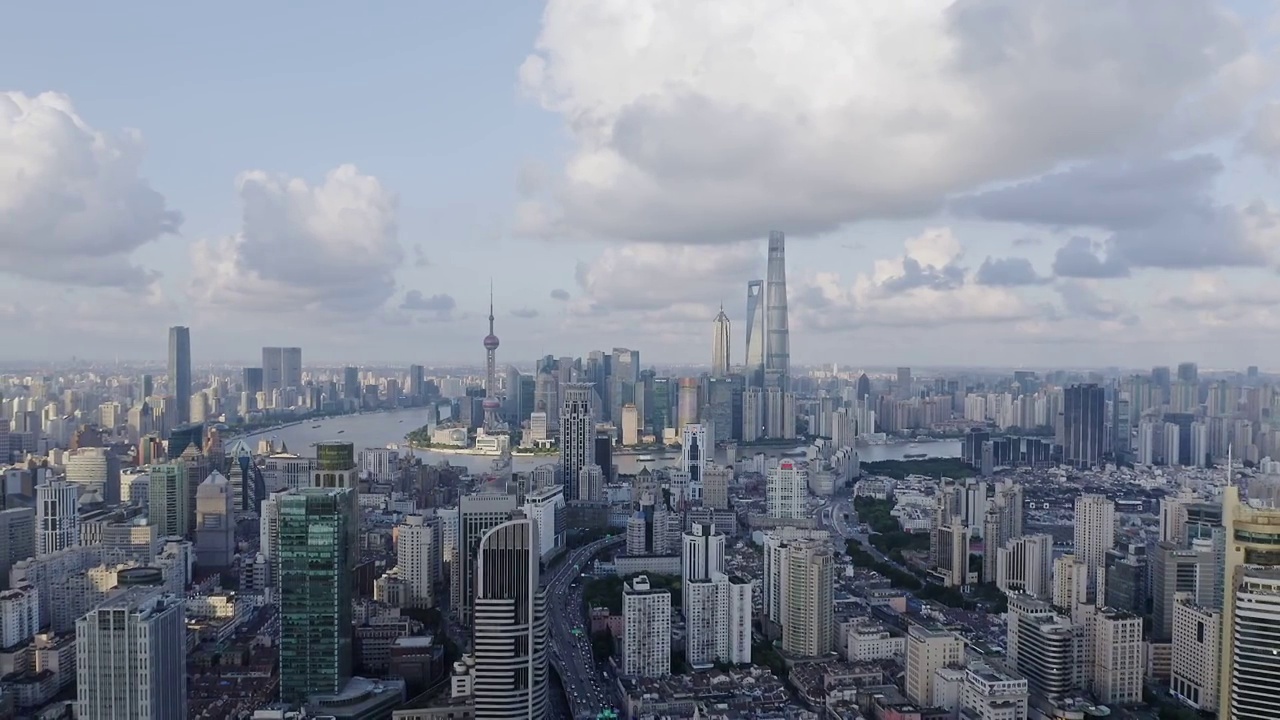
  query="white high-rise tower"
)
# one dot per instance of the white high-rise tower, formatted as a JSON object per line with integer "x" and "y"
{"x": 58, "y": 525}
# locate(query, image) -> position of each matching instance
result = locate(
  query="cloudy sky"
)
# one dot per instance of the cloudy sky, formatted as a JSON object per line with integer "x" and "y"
{"x": 1009, "y": 182}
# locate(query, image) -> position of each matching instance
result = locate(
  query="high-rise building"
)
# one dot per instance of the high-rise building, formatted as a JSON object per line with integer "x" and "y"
{"x": 1044, "y": 647}
{"x": 215, "y": 523}
{"x": 808, "y": 599}
{"x": 755, "y": 335}
{"x": 168, "y": 499}
{"x": 1179, "y": 572}
{"x": 591, "y": 483}
{"x": 1197, "y": 649}
{"x": 1250, "y": 608}
{"x": 131, "y": 658}
{"x": 992, "y": 694}
{"x": 903, "y": 386}
{"x": 720, "y": 338}
{"x": 57, "y": 522}
{"x": 694, "y": 451}
{"x": 717, "y": 620}
{"x": 701, "y": 554}
{"x": 478, "y": 513}
{"x": 510, "y": 631}
{"x": 1119, "y": 660}
{"x": 1083, "y": 424}
{"x": 928, "y": 651}
{"x": 1095, "y": 529}
{"x": 577, "y": 434}
{"x": 752, "y": 414}
{"x": 315, "y": 588}
{"x": 17, "y": 539}
{"x": 687, "y": 405}
{"x": 786, "y": 490}
{"x": 1001, "y": 523}
{"x": 715, "y": 487}
{"x": 1025, "y": 565}
{"x": 252, "y": 381}
{"x": 646, "y": 634}
{"x": 545, "y": 506}
{"x": 777, "y": 355}
{"x": 351, "y": 388}
{"x": 180, "y": 371}
{"x": 417, "y": 553}
{"x": 281, "y": 368}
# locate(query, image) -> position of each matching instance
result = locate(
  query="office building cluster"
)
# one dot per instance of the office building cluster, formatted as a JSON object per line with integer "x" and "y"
{"x": 705, "y": 542}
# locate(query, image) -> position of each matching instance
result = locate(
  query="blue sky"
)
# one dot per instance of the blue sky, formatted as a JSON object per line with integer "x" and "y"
{"x": 627, "y": 163}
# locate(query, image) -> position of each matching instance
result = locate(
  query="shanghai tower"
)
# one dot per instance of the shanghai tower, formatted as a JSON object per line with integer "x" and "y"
{"x": 777, "y": 349}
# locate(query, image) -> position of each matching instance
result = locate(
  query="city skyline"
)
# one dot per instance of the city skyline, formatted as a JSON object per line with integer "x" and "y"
{"x": 992, "y": 235}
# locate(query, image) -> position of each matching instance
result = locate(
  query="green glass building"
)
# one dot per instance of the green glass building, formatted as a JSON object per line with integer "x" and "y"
{"x": 315, "y": 592}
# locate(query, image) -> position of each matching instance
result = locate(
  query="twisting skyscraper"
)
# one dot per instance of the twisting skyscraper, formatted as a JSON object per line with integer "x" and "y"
{"x": 492, "y": 405}
{"x": 720, "y": 345}
{"x": 754, "y": 361}
{"x": 777, "y": 350}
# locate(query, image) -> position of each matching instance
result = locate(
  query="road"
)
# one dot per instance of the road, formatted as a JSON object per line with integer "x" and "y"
{"x": 571, "y": 654}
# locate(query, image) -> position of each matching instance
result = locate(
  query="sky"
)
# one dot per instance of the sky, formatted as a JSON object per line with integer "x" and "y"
{"x": 1037, "y": 183}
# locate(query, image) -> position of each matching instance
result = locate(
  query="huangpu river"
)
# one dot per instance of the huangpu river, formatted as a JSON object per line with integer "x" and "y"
{"x": 380, "y": 429}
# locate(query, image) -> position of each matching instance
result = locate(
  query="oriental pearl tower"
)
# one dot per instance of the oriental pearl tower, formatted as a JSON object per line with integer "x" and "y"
{"x": 492, "y": 423}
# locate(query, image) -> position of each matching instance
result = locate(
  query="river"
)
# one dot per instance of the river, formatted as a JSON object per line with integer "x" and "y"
{"x": 382, "y": 428}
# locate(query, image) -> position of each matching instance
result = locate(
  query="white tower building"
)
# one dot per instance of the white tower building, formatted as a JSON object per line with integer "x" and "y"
{"x": 646, "y": 641}
{"x": 131, "y": 658}
{"x": 57, "y": 524}
{"x": 1095, "y": 529}
{"x": 787, "y": 490}
{"x": 701, "y": 554}
{"x": 417, "y": 555}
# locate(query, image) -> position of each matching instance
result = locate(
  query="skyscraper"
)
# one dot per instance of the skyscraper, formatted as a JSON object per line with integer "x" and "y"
{"x": 687, "y": 405}
{"x": 131, "y": 658}
{"x": 777, "y": 356}
{"x": 417, "y": 557}
{"x": 755, "y": 337}
{"x": 57, "y": 523}
{"x": 315, "y": 592}
{"x": 577, "y": 434}
{"x": 646, "y": 640}
{"x": 180, "y": 371}
{"x": 693, "y": 451}
{"x": 1083, "y": 424}
{"x": 478, "y": 513}
{"x": 701, "y": 554}
{"x": 510, "y": 631}
{"x": 1095, "y": 530}
{"x": 281, "y": 368}
{"x": 808, "y": 595}
{"x": 168, "y": 499}
{"x": 492, "y": 403}
{"x": 215, "y": 523}
{"x": 720, "y": 345}
{"x": 786, "y": 490}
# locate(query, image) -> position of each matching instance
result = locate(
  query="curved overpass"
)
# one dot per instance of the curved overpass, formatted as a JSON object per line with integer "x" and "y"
{"x": 571, "y": 654}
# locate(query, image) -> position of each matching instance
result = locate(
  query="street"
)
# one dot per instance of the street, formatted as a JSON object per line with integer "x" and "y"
{"x": 571, "y": 653}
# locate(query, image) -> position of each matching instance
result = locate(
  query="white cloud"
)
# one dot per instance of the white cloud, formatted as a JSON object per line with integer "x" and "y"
{"x": 699, "y": 122}
{"x": 330, "y": 247}
{"x": 893, "y": 294}
{"x": 72, "y": 201}
{"x": 654, "y": 276}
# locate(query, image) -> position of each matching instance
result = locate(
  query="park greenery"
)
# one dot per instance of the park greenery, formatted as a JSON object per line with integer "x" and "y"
{"x": 887, "y": 536}
{"x": 929, "y": 467}
{"x": 607, "y": 591}
{"x": 981, "y": 597}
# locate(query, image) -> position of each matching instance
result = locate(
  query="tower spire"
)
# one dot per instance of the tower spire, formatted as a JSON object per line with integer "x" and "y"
{"x": 490, "y": 306}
